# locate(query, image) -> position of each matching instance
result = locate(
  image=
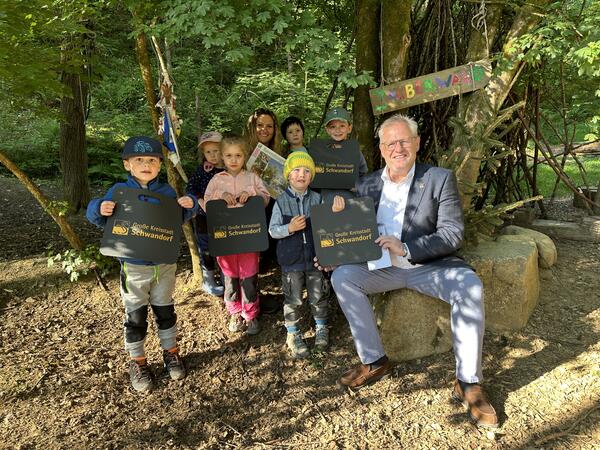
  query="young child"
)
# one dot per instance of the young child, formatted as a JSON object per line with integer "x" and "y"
{"x": 236, "y": 185}
{"x": 338, "y": 124}
{"x": 209, "y": 152}
{"x": 291, "y": 226}
{"x": 144, "y": 282}
{"x": 292, "y": 130}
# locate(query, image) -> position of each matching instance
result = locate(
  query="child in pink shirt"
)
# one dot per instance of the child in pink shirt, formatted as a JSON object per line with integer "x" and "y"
{"x": 236, "y": 185}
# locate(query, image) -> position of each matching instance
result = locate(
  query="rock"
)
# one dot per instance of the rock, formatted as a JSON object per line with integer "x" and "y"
{"x": 546, "y": 249}
{"x": 566, "y": 230}
{"x": 508, "y": 268}
{"x": 524, "y": 215}
{"x": 413, "y": 325}
{"x": 592, "y": 224}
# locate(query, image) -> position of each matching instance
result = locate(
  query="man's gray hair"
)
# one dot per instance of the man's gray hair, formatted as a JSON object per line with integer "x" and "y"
{"x": 399, "y": 118}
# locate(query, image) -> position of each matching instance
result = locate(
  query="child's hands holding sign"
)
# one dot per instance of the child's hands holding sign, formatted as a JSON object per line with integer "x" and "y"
{"x": 107, "y": 208}
{"x": 243, "y": 198}
{"x": 229, "y": 198}
{"x": 186, "y": 202}
{"x": 297, "y": 223}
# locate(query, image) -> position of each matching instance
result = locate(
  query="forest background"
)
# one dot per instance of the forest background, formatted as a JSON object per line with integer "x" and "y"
{"x": 77, "y": 78}
{"x": 72, "y": 88}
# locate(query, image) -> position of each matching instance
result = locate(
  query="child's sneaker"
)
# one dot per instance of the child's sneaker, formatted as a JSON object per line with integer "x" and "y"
{"x": 174, "y": 364}
{"x": 236, "y": 323}
{"x": 321, "y": 339}
{"x": 140, "y": 375}
{"x": 252, "y": 326}
{"x": 297, "y": 345}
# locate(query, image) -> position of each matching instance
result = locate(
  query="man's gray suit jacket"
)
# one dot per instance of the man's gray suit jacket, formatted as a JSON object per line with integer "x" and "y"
{"x": 433, "y": 226}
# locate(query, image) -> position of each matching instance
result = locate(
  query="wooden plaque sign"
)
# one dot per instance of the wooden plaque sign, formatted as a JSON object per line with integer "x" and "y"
{"x": 236, "y": 230}
{"x": 145, "y": 226}
{"x": 434, "y": 86}
{"x": 336, "y": 163}
{"x": 348, "y": 236}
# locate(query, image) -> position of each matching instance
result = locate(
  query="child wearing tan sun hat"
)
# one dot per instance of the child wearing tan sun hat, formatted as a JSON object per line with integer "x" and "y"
{"x": 210, "y": 164}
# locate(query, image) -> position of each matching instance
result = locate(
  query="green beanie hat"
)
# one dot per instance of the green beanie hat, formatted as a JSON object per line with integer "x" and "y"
{"x": 297, "y": 159}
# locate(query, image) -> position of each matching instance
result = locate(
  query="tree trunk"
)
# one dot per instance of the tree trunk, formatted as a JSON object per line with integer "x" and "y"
{"x": 65, "y": 228}
{"x": 367, "y": 58}
{"x": 141, "y": 49}
{"x": 481, "y": 107}
{"x": 395, "y": 43}
{"x": 198, "y": 120}
{"x": 73, "y": 156}
{"x": 395, "y": 39}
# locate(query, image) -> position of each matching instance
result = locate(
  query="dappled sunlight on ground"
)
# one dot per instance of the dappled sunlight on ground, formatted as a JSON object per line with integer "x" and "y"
{"x": 63, "y": 380}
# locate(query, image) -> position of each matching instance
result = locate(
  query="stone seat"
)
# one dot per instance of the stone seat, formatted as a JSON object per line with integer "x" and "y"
{"x": 413, "y": 325}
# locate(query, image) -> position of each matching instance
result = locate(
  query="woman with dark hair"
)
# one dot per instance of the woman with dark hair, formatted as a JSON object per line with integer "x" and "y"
{"x": 263, "y": 127}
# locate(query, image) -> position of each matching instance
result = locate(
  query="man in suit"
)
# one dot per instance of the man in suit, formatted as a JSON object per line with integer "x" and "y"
{"x": 420, "y": 210}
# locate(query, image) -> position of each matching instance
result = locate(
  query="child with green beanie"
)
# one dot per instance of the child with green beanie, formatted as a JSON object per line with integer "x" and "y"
{"x": 290, "y": 225}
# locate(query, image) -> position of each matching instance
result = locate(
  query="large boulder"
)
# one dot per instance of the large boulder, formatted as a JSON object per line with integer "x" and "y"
{"x": 508, "y": 268}
{"x": 546, "y": 249}
{"x": 413, "y": 325}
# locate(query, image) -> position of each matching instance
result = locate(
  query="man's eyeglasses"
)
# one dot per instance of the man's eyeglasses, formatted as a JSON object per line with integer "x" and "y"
{"x": 404, "y": 143}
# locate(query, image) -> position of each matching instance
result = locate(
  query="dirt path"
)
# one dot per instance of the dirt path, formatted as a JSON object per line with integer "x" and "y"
{"x": 63, "y": 381}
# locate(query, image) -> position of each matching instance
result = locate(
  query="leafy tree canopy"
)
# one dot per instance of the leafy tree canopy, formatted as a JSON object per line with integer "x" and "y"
{"x": 34, "y": 47}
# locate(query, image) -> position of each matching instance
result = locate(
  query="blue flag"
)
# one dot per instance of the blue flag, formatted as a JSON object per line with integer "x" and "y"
{"x": 168, "y": 140}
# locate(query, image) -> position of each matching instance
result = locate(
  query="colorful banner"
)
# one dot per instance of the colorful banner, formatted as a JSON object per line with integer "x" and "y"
{"x": 427, "y": 88}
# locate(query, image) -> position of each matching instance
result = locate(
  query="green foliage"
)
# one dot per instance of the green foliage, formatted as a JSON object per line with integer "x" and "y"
{"x": 77, "y": 263}
{"x": 546, "y": 177}
{"x": 38, "y": 41}
{"x": 485, "y": 222}
{"x": 60, "y": 207}
{"x": 28, "y": 68}
{"x": 243, "y": 63}
{"x": 249, "y": 33}
{"x": 30, "y": 141}
{"x": 569, "y": 33}
{"x": 564, "y": 54}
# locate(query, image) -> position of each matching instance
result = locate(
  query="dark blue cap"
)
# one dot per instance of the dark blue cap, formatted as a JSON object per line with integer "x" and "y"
{"x": 141, "y": 146}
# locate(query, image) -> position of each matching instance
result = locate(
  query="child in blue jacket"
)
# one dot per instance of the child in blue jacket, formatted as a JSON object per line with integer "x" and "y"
{"x": 145, "y": 282}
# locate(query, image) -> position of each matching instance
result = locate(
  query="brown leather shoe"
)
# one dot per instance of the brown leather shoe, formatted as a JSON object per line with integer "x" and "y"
{"x": 480, "y": 409}
{"x": 360, "y": 376}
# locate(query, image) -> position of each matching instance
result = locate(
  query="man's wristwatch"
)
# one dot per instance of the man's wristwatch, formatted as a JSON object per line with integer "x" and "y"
{"x": 406, "y": 251}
